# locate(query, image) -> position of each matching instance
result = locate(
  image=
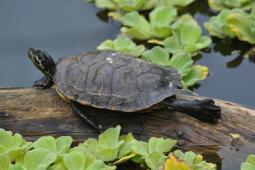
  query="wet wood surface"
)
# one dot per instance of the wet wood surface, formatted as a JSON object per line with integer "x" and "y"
{"x": 35, "y": 113}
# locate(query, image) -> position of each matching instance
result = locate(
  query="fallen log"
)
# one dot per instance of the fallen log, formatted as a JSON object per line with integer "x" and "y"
{"x": 34, "y": 113}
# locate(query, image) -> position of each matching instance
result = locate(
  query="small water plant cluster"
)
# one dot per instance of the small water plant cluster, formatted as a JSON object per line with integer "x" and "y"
{"x": 237, "y": 19}
{"x": 162, "y": 37}
{"x": 249, "y": 164}
{"x": 230, "y": 4}
{"x": 104, "y": 153}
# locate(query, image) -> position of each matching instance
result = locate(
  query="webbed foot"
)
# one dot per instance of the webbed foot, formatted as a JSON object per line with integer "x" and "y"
{"x": 204, "y": 110}
{"x": 43, "y": 83}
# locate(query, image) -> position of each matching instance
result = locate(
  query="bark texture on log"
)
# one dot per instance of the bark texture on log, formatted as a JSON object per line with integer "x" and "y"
{"x": 34, "y": 113}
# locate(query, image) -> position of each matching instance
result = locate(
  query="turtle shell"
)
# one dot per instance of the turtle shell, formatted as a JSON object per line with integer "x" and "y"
{"x": 115, "y": 81}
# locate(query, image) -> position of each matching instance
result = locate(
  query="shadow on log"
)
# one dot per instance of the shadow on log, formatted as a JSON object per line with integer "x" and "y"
{"x": 35, "y": 113}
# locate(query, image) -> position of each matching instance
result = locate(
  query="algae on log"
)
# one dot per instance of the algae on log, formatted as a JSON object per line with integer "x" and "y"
{"x": 35, "y": 113}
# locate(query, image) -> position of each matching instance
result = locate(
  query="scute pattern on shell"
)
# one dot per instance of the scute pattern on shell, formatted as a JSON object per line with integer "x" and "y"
{"x": 115, "y": 81}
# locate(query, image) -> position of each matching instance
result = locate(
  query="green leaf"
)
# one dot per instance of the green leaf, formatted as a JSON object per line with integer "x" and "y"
{"x": 136, "y": 26}
{"x": 231, "y": 23}
{"x": 47, "y": 143}
{"x": 8, "y": 140}
{"x": 63, "y": 144}
{"x": 242, "y": 25}
{"x": 107, "y": 4}
{"x": 57, "y": 166}
{"x": 180, "y": 3}
{"x": 5, "y": 162}
{"x": 110, "y": 137}
{"x": 74, "y": 161}
{"x": 229, "y": 4}
{"x": 188, "y": 160}
{"x": 158, "y": 25}
{"x": 88, "y": 146}
{"x": 196, "y": 74}
{"x": 12, "y": 144}
{"x": 249, "y": 164}
{"x": 60, "y": 145}
{"x": 92, "y": 164}
{"x": 160, "y": 19}
{"x": 154, "y": 160}
{"x": 157, "y": 55}
{"x": 160, "y": 145}
{"x": 182, "y": 62}
{"x": 38, "y": 159}
{"x": 108, "y": 144}
{"x": 17, "y": 166}
{"x": 122, "y": 44}
{"x": 186, "y": 37}
{"x": 129, "y": 5}
{"x": 189, "y": 157}
{"x": 140, "y": 148}
{"x": 126, "y": 148}
{"x": 107, "y": 153}
{"x": 217, "y": 25}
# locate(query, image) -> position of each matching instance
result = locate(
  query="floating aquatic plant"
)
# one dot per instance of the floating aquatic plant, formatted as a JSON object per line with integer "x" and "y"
{"x": 12, "y": 145}
{"x": 122, "y": 44}
{"x": 230, "y": 4}
{"x": 135, "y": 5}
{"x": 158, "y": 25}
{"x": 233, "y": 23}
{"x": 186, "y": 161}
{"x": 249, "y": 164}
{"x": 181, "y": 61}
{"x": 104, "y": 153}
{"x": 187, "y": 37}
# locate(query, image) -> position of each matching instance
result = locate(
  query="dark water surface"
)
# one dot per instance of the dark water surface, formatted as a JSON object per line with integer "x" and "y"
{"x": 66, "y": 27}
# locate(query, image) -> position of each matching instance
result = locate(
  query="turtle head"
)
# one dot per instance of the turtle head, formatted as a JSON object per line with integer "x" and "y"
{"x": 43, "y": 61}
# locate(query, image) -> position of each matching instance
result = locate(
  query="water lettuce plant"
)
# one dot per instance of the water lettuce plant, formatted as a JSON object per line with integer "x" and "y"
{"x": 104, "y": 153}
{"x": 12, "y": 145}
{"x": 186, "y": 161}
{"x": 135, "y": 5}
{"x": 249, "y": 164}
{"x": 181, "y": 61}
{"x": 186, "y": 36}
{"x": 217, "y": 25}
{"x": 230, "y": 4}
{"x": 122, "y": 44}
{"x": 158, "y": 25}
{"x": 233, "y": 23}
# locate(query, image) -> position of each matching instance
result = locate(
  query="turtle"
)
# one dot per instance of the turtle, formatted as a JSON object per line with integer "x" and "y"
{"x": 116, "y": 81}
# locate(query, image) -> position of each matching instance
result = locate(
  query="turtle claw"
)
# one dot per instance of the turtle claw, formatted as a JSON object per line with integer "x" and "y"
{"x": 42, "y": 83}
{"x": 208, "y": 111}
{"x": 204, "y": 110}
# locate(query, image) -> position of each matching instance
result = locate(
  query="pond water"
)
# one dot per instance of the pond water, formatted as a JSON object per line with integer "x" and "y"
{"x": 66, "y": 27}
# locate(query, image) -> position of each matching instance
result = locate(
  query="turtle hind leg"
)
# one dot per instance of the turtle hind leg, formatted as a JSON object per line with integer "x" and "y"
{"x": 204, "y": 110}
{"x": 43, "y": 83}
{"x": 82, "y": 113}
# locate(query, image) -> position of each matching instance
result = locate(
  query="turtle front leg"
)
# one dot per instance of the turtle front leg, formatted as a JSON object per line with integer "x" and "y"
{"x": 43, "y": 83}
{"x": 82, "y": 113}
